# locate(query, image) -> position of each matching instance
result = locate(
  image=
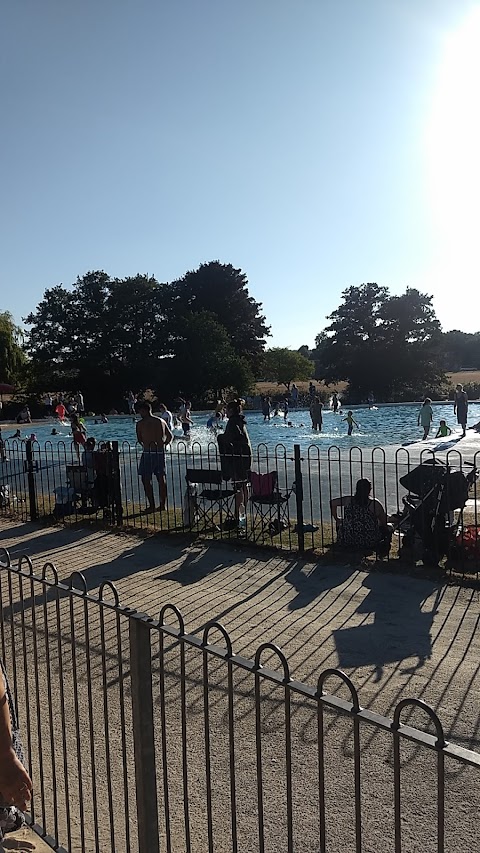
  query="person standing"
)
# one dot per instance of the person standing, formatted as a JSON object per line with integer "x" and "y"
{"x": 48, "y": 403}
{"x": 294, "y": 395}
{"x": 60, "y": 411}
{"x": 460, "y": 407}
{"x": 425, "y": 417}
{"x": 350, "y": 422}
{"x": 79, "y": 434}
{"x": 236, "y": 453}
{"x": 166, "y": 416}
{"x": 186, "y": 418}
{"x": 316, "y": 414}
{"x": 154, "y": 435}
{"x": 80, "y": 403}
{"x": 335, "y": 402}
{"x": 266, "y": 408}
{"x": 131, "y": 400}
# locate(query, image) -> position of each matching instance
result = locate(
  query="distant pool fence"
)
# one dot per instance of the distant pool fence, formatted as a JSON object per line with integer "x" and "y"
{"x": 221, "y": 497}
{"x": 143, "y": 737}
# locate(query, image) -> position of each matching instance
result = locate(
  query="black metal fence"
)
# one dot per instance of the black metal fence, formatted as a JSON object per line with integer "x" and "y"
{"x": 141, "y": 737}
{"x": 280, "y": 497}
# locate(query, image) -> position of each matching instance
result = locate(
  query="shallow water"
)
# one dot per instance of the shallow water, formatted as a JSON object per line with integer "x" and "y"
{"x": 382, "y": 426}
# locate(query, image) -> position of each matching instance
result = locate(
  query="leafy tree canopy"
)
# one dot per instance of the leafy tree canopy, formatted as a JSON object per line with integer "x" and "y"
{"x": 390, "y": 345}
{"x": 222, "y": 291}
{"x": 113, "y": 334}
{"x": 284, "y": 366}
{"x": 12, "y": 357}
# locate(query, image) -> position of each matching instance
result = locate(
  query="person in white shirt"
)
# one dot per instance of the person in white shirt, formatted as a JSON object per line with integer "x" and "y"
{"x": 165, "y": 415}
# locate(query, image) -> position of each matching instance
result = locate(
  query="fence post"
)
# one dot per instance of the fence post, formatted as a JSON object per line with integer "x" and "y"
{"x": 299, "y": 496}
{"x": 143, "y": 733}
{"x": 30, "y": 468}
{"x": 117, "y": 487}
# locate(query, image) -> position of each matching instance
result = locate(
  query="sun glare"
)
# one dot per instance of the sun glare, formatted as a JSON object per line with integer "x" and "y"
{"x": 453, "y": 158}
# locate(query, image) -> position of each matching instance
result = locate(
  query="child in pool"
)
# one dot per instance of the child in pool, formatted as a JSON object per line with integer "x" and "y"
{"x": 443, "y": 430}
{"x": 425, "y": 417}
{"x": 351, "y": 423}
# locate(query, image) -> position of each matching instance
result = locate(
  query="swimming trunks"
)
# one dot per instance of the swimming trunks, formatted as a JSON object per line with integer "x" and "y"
{"x": 152, "y": 462}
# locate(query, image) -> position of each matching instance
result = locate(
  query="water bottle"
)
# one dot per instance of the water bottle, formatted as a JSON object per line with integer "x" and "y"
{"x": 242, "y": 517}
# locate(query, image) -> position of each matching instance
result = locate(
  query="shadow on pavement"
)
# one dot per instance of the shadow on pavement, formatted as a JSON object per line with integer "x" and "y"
{"x": 400, "y": 628}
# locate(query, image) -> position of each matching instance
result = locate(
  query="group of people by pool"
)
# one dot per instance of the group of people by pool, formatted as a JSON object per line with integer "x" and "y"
{"x": 460, "y": 409}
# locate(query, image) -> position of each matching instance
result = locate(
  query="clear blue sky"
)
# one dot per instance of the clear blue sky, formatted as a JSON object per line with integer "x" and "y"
{"x": 313, "y": 143}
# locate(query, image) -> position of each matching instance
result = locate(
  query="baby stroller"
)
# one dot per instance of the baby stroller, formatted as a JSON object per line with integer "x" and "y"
{"x": 434, "y": 493}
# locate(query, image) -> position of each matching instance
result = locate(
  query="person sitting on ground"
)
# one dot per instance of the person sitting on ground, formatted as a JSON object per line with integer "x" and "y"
{"x": 15, "y": 783}
{"x": 443, "y": 430}
{"x": 364, "y": 523}
{"x": 154, "y": 435}
{"x": 24, "y": 416}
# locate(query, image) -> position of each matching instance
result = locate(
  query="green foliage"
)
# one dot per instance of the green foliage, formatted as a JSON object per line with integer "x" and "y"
{"x": 12, "y": 357}
{"x": 205, "y": 363}
{"x": 390, "y": 345}
{"x": 461, "y": 350}
{"x": 283, "y": 365}
{"x": 222, "y": 291}
{"x": 109, "y": 335}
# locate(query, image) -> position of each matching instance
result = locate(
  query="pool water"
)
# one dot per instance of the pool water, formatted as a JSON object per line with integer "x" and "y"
{"x": 380, "y": 426}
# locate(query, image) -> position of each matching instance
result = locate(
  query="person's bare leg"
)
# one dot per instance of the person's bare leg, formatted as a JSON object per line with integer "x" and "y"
{"x": 147, "y": 485}
{"x": 162, "y": 488}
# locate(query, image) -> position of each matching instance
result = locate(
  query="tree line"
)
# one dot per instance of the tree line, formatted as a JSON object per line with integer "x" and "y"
{"x": 204, "y": 334}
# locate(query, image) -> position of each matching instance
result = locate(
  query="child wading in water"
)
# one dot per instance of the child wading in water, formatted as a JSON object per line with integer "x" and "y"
{"x": 425, "y": 417}
{"x": 351, "y": 423}
{"x": 443, "y": 430}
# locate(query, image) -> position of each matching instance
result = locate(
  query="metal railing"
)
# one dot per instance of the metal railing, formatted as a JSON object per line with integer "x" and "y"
{"x": 52, "y": 482}
{"x": 143, "y": 738}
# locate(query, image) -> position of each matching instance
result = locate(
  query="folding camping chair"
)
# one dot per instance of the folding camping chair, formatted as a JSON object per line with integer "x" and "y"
{"x": 269, "y": 505}
{"x": 202, "y": 505}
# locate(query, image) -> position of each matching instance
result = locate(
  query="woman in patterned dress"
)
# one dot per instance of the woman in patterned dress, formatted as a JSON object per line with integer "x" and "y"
{"x": 364, "y": 522}
{"x": 15, "y": 783}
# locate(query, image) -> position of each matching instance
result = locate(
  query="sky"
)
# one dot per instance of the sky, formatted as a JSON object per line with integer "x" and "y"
{"x": 315, "y": 144}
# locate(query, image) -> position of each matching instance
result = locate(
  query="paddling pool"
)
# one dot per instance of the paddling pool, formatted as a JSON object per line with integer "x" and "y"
{"x": 382, "y": 426}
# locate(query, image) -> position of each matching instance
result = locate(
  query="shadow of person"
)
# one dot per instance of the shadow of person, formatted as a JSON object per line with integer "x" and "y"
{"x": 401, "y": 628}
{"x": 199, "y": 564}
{"x": 311, "y": 586}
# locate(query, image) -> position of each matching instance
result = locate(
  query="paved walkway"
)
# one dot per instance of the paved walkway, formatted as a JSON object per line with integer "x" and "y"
{"x": 395, "y": 635}
{"x": 24, "y": 841}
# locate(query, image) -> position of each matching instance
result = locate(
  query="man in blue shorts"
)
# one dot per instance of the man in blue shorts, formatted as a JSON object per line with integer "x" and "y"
{"x": 154, "y": 435}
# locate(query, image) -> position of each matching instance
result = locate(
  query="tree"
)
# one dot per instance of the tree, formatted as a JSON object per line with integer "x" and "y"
{"x": 12, "y": 356}
{"x": 461, "y": 350}
{"x": 105, "y": 334}
{"x": 109, "y": 335}
{"x": 222, "y": 290}
{"x": 284, "y": 366}
{"x": 205, "y": 363}
{"x": 390, "y": 345}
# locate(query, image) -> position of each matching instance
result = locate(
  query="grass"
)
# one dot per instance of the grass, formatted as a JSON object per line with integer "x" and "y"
{"x": 272, "y": 389}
